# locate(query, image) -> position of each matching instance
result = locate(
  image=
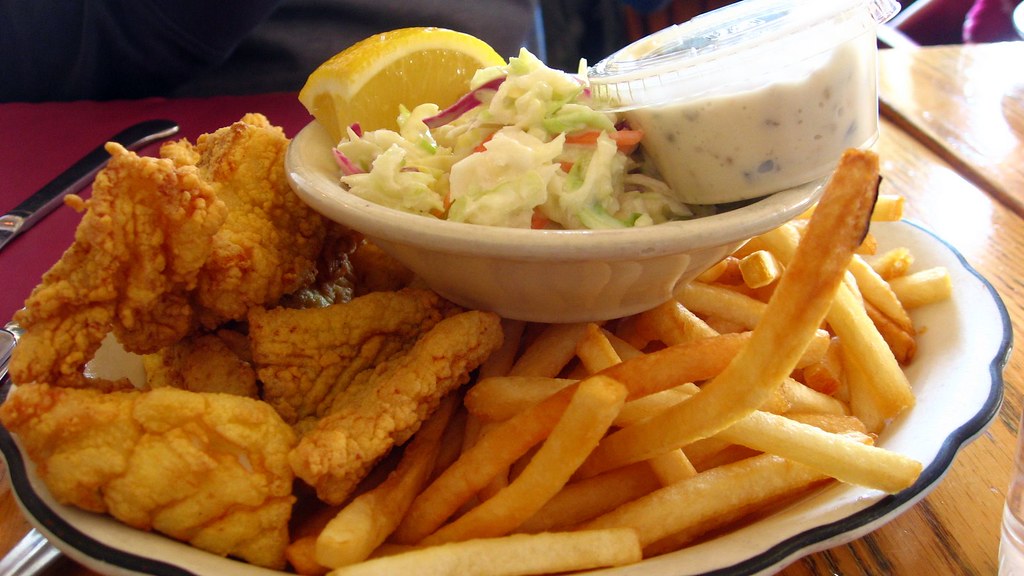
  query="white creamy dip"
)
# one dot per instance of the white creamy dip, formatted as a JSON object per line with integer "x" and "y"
{"x": 736, "y": 144}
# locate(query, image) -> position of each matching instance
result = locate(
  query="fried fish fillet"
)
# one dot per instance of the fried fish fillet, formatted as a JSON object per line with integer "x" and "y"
{"x": 144, "y": 236}
{"x": 304, "y": 358}
{"x": 207, "y": 469}
{"x": 385, "y": 405}
{"x": 269, "y": 244}
{"x": 211, "y": 362}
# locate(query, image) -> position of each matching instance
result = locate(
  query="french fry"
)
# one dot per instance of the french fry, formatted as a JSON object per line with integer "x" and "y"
{"x": 643, "y": 408}
{"x": 586, "y": 499}
{"x": 721, "y": 302}
{"x": 877, "y": 292}
{"x": 694, "y": 504}
{"x": 777, "y": 402}
{"x": 369, "y": 518}
{"x": 866, "y": 403}
{"x": 595, "y": 351}
{"x": 868, "y": 246}
{"x": 834, "y": 455}
{"x": 672, "y": 466}
{"x": 902, "y": 342}
{"x": 515, "y": 555}
{"x": 492, "y": 454}
{"x": 724, "y": 325}
{"x": 800, "y": 303}
{"x": 624, "y": 349}
{"x": 864, "y": 346}
{"x": 471, "y": 431}
{"x": 693, "y": 361}
{"x": 924, "y": 287}
{"x": 801, "y": 398}
{"x": 781, "y": 242}
{"x": 894, "y": 263}
{"x": 713, "y": 452}
{"x": 834, "y": 423}
{"x": 627, "y": 331}
{"x": 759, "y": 269}
{"x": 725, "y": 270}
{"x": 825, "y": 376}
{"x": 501, "y": 360}
{"x": 837, "y": 456}
{"x": 301, "y": 556}
{"x": 550, "y": 352}
{"x": 501, "y": 397}
{"x": 452, "y": 442}
{"x": 889, "y": 208}
{"x": 887, "y": 392}
{"x": 593, "y": 407}
{"x": 673, "y": 323}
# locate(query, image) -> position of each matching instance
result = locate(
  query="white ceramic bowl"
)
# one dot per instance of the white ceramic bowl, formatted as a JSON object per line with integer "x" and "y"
{"x": 538, "y": 275}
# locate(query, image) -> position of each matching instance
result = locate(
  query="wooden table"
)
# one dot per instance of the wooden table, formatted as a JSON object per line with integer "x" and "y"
{"x": 954, "y": 530}
{"x": 966, "y": 103}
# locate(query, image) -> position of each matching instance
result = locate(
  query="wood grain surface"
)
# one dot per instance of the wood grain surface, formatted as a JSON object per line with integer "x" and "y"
{"x": 966, "y": 103}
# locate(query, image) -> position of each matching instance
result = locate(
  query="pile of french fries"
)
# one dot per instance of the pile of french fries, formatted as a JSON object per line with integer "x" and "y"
{"x": 583, "y": 446}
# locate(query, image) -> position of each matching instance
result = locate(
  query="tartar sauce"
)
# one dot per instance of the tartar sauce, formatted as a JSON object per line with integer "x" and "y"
{"x": 744, "y": 143}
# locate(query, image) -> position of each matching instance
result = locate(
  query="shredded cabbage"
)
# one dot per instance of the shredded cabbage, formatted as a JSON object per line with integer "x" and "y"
{"x": 508, "y": 154}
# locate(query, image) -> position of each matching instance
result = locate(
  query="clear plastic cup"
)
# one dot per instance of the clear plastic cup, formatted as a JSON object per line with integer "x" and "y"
{"x": 1011, "y": 542}
{"x": 753, "y": 98}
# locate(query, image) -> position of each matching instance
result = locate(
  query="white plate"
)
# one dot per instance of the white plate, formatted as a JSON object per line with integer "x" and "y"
{"x": 957, "y": 376}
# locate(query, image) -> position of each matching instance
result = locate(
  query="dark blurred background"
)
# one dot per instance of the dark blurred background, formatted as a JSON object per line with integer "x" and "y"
{"x": 109, "y": 49}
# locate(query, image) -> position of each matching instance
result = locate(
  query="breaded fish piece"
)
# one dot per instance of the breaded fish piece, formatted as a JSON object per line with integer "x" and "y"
{"x": 207, "y": 469}
{"x": 143, "y": 238}
{"x": 377, "y": 271}
{"x": 385, "y": 406}
{"x": 305, "y": 357}
{"x": 269, "y": 244}
{"x": 212, "y": 362}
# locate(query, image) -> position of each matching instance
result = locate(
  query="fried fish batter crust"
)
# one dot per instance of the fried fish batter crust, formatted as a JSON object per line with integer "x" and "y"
{"x": 304, "y": 358}
{"x": 270, "y": 242}
{"x": 211, "y": 362}
{"x": 207, "y": 469}
{"x": 142, "y": 240}
{"x": 385, "y": 405}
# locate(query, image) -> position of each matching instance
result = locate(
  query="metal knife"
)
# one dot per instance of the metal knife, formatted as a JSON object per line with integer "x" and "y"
{"x": 9, "y": 335}
{"x": 33, "y": 209}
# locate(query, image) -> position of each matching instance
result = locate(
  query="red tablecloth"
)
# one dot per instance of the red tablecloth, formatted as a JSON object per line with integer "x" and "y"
{"x": 38, "y": 141}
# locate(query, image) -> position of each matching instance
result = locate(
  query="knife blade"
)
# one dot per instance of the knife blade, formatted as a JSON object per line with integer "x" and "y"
{"x": 9, "y": 335}
{"x": 42, "y": 202}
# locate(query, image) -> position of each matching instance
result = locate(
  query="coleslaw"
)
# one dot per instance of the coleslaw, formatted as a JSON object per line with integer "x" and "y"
{"x": 524, "y": 148}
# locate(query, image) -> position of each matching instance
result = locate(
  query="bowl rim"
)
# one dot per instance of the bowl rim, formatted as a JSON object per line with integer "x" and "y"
{"x": 309, "y": 170}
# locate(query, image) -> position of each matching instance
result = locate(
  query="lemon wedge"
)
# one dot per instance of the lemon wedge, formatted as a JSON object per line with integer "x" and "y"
{"x": 367, "y": 81}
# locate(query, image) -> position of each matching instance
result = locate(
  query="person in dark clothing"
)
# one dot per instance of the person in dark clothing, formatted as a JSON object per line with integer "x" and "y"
{"x": 110, "y": 49}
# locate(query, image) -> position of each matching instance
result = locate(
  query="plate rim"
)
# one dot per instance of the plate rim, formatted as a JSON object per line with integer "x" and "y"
{"x": 845, "y": 529}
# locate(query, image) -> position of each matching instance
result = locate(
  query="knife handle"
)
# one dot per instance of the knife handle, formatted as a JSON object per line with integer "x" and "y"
{"x": 81, "y": 173}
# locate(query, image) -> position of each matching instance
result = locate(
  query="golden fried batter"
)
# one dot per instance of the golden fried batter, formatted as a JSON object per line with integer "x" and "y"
{"x": 269, "y": 244}
{"x": 304, "y": 358}
{"x": 204, "y": 363}
{"x": 137, "y": 253}
{"x": 207, "y": 469}
{"x": 376, "y": 271}
{"x": 385, "y": 405}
